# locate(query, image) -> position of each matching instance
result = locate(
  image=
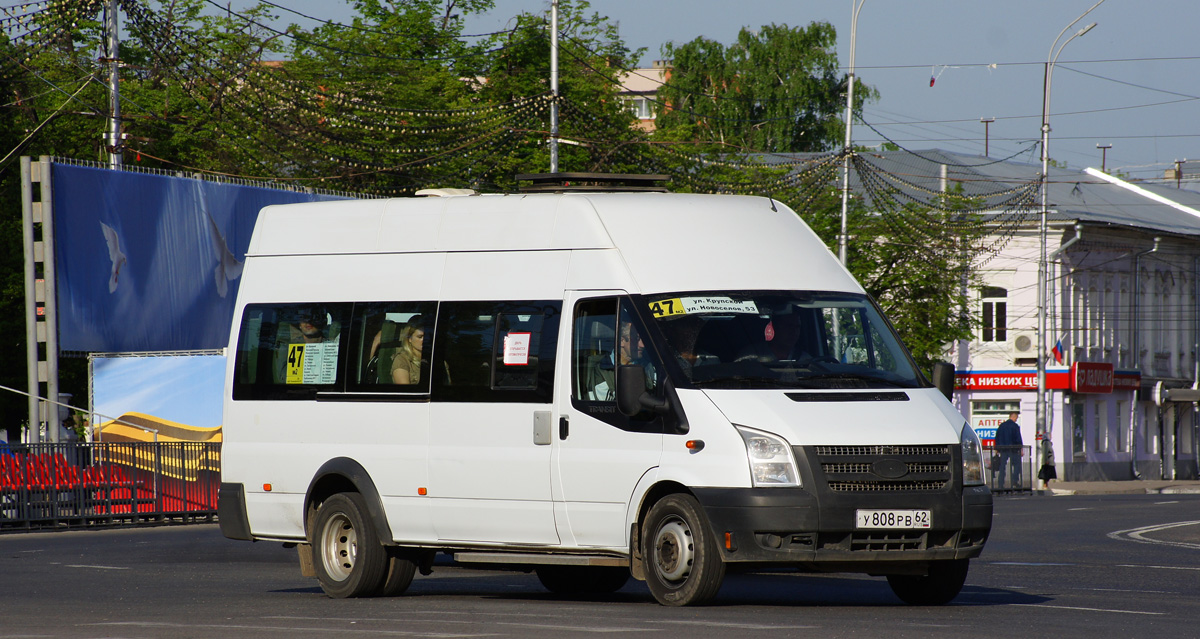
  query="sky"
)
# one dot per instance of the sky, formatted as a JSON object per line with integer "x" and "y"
{"x": 1132, "y": 82}
{"x": 183, "y": 389}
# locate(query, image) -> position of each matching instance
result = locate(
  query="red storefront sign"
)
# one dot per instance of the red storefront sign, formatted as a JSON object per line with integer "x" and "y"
{"x": 1094, "y": 378}
{"x": 1010, "y": 380}
{"x": 1091, "y": 377}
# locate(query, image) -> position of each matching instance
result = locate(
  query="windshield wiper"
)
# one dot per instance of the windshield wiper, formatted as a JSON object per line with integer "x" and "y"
{"x": 737, "y": 381}
{"x": 855, "y": 377}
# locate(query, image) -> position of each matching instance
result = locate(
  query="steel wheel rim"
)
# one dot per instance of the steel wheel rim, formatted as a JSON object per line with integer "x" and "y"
{"x": 339, "y": 547}
{"x": 674, "y": 550}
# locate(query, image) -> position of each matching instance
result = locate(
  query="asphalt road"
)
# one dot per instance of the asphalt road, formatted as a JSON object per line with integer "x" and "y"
{"x": 1094, "y": 566}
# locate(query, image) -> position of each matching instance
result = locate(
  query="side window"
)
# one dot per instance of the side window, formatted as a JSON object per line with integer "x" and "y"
{"x": 290, "y": 351}
{"x": 392, "y": 342}
{"x": 607, "y": 335}
{"x": 495, "y": 351}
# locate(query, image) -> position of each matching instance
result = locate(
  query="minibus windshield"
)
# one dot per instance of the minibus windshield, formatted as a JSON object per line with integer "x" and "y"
{"x": 780, "y": 339}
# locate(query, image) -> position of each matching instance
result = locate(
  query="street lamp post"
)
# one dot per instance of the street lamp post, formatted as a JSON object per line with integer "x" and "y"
{"x": 855, "y": 7}
{"x": 1051, "y": 58}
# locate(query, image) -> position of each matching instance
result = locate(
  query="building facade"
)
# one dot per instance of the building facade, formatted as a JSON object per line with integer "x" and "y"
{"x": 1122, "y": 325}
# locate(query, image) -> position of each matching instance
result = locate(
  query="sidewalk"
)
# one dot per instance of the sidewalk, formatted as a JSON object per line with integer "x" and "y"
{"x": 1130, "y": 487}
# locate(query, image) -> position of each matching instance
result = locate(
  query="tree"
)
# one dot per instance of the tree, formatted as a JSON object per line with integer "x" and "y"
{"x": 776, "y": 90}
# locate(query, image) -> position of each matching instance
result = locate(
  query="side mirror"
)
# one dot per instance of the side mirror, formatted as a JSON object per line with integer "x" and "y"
{"x": 943, "y": 378}
{"x": 632, "y": 396}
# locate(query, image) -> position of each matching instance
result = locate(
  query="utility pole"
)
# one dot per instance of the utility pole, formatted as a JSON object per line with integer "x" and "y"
{"x": 1103, "y": 156}
{"x": 986, "y": 124}
{"x": 113, "y": 41}
{"x": 554, "y": 86}
{"x": 843, "y": 236}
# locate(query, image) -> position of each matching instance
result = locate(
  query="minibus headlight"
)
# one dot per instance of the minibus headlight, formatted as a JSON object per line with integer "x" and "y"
{"x": 972, "y": 457}
{"x": 770, "y": 457}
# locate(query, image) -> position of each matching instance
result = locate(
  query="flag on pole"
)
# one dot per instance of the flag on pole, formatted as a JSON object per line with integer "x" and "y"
{"x": 1057, "y": 351}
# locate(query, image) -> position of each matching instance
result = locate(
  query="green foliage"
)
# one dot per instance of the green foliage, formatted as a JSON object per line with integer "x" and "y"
{"x": 774, "y": 90}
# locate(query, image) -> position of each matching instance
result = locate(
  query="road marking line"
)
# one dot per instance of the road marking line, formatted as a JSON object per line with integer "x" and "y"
{"x": 305, "y": 629}
{"x": 1163, "y": 503}
{"x": 1026, "y": 563}
{"x": 731, "y": 624}
{"x": 98, "y": 567}
{"x": 1137, "y": 534}
{"x": 572, "y": 628}
{"x": 1124, "y": 612}
{"x": 1159, "y": 567}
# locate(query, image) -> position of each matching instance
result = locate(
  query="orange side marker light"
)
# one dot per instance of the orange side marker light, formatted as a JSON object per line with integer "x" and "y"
{"x": 695, "y": 445}
{"x": 267, "y": 487}
{"x": 422, "y": 491}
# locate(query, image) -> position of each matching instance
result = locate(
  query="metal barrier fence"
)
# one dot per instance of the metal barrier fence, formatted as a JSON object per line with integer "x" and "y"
{"x": 76, "y": 485}
{"x": 1008, "y": 468}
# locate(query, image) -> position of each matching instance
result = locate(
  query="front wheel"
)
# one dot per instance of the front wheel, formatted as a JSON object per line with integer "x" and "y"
{"x": 943, "y": 583}
{"x": 347, "y": 555}
{"x": 582, "y": 580}
{"x": 683, "y": 565}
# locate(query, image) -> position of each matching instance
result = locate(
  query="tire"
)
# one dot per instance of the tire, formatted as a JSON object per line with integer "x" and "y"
{"x": 400, "y": 571}
{"x": 943, "y": 583}
{"x": 582, "y": 580}
{"x": 683, "y": 566}
{"x": 347, "y": 555}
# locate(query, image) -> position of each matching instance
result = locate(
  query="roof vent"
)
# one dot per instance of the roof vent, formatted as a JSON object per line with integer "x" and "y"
{"x": 591, "y": 182}
{"x": 443, "y": 192}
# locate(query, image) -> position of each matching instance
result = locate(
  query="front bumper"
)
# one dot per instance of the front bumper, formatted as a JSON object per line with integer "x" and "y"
{"x": 814, "y": 527}
{"x": 788, "y": 526}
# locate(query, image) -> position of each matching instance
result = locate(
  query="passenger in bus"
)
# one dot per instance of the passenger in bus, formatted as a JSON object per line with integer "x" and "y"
{"x": 602, "y": 371}
{"x": 312, "y": 326}
{"x": 406, "y": 364}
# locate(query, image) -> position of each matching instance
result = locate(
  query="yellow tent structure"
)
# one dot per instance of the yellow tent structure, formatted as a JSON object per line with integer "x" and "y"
{"x": 139, "y": 428}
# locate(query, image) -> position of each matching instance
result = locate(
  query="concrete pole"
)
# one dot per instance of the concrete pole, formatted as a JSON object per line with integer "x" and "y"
{"x": 111, "y": 27}
{"x": 554, "y": 86}
{"x": 843, "y": 238}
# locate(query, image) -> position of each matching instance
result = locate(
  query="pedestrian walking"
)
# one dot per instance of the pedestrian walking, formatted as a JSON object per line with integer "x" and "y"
{"x": 1008, "y": 449}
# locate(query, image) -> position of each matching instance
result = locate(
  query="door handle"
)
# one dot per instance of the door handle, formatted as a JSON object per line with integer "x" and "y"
{"x": 564, "y": 427}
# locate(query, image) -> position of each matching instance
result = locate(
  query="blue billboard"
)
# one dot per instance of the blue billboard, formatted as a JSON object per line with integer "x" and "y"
{"x": 150, "y": 262}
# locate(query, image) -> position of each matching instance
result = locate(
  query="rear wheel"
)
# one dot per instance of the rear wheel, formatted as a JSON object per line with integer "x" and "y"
{"x": 943, "y": 583}
{"x": 347, "y": 555}
{"x": 683, "y": 565}
{"x": 582, "y": 580}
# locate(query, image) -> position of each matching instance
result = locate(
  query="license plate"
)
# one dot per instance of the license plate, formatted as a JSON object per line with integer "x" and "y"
{"x": 892, "y": 519}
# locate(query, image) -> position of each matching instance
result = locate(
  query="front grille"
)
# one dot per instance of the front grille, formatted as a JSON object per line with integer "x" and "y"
{"x": 886, "y": 541}
{"x": 884, "y": 468}
{"x": 884, "y": 486}
{"x": 905, "y": 451}
{"x": 862, "y": 467}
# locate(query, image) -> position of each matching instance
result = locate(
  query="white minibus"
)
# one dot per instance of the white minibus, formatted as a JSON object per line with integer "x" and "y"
{"x": 588, "y": 384}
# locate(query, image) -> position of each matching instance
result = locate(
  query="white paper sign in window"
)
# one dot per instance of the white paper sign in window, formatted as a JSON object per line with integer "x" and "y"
{"x": 516, "y": 349}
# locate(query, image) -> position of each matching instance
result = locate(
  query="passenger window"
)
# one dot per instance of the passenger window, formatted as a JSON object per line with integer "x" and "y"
{"x": 495, "y": 351}
{"x": 606, "y": 335}
{"x": 289, "y": 351}
{"x": 392, "y": 343}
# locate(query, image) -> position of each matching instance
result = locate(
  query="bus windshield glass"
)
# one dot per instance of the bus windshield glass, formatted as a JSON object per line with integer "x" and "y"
{"x": 780, "y": 339}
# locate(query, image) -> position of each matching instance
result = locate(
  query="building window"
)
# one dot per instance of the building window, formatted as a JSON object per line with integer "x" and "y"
{"x": 643, "y": 108}
{"x": 995, "y": 314}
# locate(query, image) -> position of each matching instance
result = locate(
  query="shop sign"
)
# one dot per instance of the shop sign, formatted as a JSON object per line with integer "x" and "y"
{"x": 1092, "y": 377}
{"x": 1010, "y": 380}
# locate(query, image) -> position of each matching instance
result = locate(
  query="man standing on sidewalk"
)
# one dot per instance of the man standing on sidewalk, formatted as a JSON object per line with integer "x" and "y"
{"x": 1008, "y": 448}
